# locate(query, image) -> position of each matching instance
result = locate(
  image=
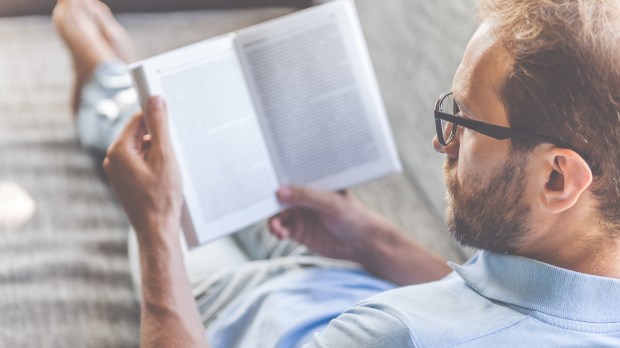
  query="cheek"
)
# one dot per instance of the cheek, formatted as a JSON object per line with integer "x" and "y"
{"x": 468, "y": 159}
{"x": 478, "y": 156}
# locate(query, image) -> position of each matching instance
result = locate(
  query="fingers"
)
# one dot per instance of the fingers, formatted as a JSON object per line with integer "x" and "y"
{"x": 156, "y": 120}
{"x": 277, "y": 228}
{"x": 128, "y": 146}
{"x": 321, "y": 201}
{"x": 131, "y": 136}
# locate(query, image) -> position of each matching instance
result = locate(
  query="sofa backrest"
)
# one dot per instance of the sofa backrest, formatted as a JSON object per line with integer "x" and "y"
{"x": 44, "y": 7}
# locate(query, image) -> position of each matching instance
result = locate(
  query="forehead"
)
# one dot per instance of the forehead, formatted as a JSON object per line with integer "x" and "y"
{"x": 484, "y": 67}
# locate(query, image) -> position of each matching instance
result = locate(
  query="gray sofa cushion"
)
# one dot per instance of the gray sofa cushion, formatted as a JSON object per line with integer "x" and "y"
{"x": 38, "y": 7}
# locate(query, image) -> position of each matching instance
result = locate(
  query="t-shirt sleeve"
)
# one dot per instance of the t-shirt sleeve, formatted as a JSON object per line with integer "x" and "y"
{"x": 364, "y": 326}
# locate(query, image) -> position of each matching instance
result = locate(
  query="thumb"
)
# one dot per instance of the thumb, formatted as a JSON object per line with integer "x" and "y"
{"x": 156, "y": 121}
{"x": 321, "y": 201}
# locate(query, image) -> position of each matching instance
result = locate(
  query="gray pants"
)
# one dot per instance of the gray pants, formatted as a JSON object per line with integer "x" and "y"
{"x": 220, "y": 271}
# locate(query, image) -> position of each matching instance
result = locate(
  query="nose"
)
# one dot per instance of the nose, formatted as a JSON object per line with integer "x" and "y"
{"x": 436, "y": 145}
{"x": 451, "y": 150}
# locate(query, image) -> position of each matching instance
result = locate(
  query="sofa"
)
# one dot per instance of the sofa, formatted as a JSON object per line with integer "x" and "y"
{"x": 64, "y": 275}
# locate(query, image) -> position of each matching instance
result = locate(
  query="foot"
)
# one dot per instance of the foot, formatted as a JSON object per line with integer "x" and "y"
{"x": 92, "y": 35}
{"x": 115, "y": 33}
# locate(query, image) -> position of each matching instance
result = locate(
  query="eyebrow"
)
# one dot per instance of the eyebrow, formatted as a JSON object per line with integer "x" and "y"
{"x": 457, "y": 99}
{"x": 463, "y": 108}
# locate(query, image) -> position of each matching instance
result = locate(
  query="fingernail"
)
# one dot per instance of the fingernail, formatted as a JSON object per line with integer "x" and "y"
{"x": 285, "y": 193}
{"x": 155, "y": 102}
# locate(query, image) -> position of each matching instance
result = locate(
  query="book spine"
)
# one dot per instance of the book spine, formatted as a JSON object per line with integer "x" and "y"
{"x": 141, "y": 84}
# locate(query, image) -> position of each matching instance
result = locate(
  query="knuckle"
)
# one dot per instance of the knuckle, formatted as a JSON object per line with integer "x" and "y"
{"x": 295, "y": 195}
{"x": 111, "y": 158}
{"x": 337, "y": 203}
{"x": 106, "y": 165}
{"x": 114, "y": 157}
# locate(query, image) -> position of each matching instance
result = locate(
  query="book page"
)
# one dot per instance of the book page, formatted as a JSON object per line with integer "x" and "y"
{"x": 318, "y": 99}
{"x": 228, "y": 177}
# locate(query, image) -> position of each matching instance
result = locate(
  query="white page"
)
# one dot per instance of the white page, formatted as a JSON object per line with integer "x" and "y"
{"x": 318, "y": 99}
{"x": 228, "y": 177}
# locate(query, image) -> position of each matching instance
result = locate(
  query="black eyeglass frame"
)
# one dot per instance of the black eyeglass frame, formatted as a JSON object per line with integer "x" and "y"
{"x": 488, "y": 129}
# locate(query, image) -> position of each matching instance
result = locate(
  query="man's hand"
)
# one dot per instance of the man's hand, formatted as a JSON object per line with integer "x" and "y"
{"x": 332, "y": 224}
{"x": 142, "y": 169}
{"x": 337, "y": 225}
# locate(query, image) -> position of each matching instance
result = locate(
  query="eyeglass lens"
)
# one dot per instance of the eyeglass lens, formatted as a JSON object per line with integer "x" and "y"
{"x": 448, "y": 106}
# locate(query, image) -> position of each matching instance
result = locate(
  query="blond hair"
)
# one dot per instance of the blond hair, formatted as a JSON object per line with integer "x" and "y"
{"x": 565, "y": 80}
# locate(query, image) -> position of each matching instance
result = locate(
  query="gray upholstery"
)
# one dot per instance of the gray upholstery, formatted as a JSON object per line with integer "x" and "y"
{"x": 43, "y": 7}
{"x": 64, "y": 278}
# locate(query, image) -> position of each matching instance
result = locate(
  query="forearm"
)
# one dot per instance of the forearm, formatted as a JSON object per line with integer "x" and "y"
{"x": 392, "y": 255}
{"x": 169, "y": 316}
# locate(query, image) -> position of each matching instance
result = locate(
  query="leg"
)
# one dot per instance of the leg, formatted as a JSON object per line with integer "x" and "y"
{"x": 103, "y": 99}
{"x": 103, "y": 96}
{"x": 92, "y": 36}
{"x": 209, "y": 260}
{"x": 219, "y": 272}
{"x": 259, "y": 244}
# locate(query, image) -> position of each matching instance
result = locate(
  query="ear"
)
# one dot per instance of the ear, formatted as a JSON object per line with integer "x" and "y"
{"x": 567, "y": 177}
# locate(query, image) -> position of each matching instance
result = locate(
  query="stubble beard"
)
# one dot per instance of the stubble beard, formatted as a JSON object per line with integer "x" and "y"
{"x": 488, "y": 213}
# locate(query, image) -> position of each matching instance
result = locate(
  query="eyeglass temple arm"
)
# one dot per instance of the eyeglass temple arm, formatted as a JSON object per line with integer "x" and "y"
{"x": 500, "y": 132}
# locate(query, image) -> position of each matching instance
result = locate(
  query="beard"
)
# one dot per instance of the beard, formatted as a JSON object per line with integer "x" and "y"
{"x": 488, "y": 213}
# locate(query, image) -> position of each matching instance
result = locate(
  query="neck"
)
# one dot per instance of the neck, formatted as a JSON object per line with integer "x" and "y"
{"x": 589, "y": 250}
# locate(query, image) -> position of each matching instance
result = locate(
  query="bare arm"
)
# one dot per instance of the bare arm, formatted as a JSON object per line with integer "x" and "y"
{"x": 144, "y": 173}
{"x": 337, "y": 225}
{"x": 169, "y": 316}
{"x": 394, "y": 256}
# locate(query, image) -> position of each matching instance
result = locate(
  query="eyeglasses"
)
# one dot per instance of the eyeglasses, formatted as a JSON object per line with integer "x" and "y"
{"x": 447, "y": 120}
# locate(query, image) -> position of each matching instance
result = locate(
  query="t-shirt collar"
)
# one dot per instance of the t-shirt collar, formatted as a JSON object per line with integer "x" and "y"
{"x": 542, "y": 287}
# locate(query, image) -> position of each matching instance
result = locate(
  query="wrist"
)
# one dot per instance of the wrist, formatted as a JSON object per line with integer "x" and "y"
{"x": 382, "y": 237}
{"x": 157, "y": 229}
{"x": 391, "y": 254}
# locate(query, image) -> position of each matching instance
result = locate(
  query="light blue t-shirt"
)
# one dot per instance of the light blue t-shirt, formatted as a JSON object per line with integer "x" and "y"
{"x": 491, "y": 301}
{"x": 287, "y": 310}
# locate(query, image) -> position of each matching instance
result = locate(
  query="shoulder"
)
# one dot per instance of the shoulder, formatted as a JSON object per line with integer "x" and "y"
{"x": 440, "y": 313}
{"x": 364, "y": 326}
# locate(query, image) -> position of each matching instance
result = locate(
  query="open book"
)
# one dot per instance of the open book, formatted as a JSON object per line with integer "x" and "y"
{"x": 290, "y": 101}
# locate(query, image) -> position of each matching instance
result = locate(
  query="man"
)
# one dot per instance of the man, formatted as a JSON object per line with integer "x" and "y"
{"x": 530, "y": 132}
